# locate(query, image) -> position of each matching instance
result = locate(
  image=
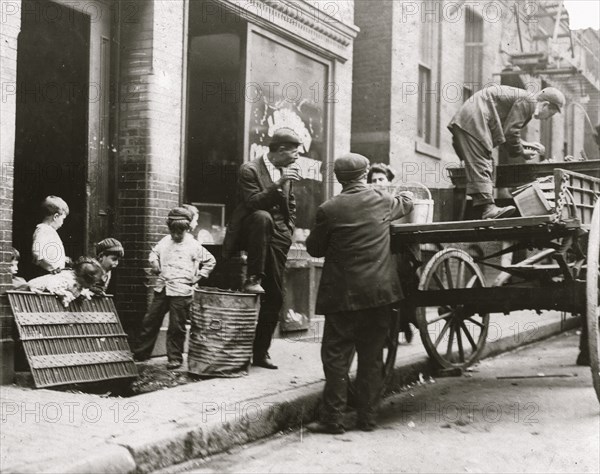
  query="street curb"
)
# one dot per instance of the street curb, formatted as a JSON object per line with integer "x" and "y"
{"x": 251, "y": 420}
{"x": 291, "y": 408}
{"x": 108, "y": 459}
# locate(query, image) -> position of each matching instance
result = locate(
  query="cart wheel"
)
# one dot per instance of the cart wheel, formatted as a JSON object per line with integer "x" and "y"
{"x": 593, "y": 297}
{"x": 452, "y": 337}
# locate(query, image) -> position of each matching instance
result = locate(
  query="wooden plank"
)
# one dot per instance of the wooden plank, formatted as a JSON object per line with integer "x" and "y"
{"x": 70, "y": 360}
{"x": 514, "y": 175}
{"x": 38, "y": 318}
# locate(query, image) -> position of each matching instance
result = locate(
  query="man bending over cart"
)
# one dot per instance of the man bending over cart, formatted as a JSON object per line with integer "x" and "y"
{"x": 495, "y": 116}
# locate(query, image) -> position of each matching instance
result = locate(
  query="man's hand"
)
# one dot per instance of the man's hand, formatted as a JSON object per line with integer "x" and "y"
{"x": 407, "y": 194}
{"x": 531, "y": 149}
{"x": 291, "y": 173}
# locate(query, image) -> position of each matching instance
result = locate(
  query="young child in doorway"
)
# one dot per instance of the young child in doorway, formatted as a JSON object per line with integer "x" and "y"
{"x": 48, "y": 250}
{"x": 180, "y": 262}
{"x": 80, "y": 281}
{"x": 108, "y": 253}
{"x": 18, "y": 283}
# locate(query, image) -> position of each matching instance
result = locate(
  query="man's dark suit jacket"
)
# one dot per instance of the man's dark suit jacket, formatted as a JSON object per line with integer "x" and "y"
{"x": 256, "y": 191}
{"x": 352, "y": 232}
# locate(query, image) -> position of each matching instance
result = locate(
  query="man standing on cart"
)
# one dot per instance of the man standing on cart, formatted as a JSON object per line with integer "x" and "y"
{"x": 495, "y": 116}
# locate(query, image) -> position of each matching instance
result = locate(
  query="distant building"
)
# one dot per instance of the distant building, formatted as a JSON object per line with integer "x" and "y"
{"x": 415, "y": 63}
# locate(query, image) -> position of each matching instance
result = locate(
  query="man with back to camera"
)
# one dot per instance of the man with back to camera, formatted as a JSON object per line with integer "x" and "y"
{"x": 263, "y": 225}
{"x": 358, "y": 287}
{"x": 495, "y": 116}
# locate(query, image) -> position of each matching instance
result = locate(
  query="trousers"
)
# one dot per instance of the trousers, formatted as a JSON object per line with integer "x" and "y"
{"x": 365, "y": 332}
{"x": 479, "y": 166}
{"x": 267, "y": 242}
{"x": 178, "y": 308}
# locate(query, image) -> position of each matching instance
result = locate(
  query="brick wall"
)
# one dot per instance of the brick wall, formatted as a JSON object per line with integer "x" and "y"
{"x": 10, "y": 25}
{"x": 149, "y": 152}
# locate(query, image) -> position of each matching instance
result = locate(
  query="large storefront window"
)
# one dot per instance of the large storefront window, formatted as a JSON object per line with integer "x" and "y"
{"x": 243, "y": 84}
{"x": 285, "y": 88}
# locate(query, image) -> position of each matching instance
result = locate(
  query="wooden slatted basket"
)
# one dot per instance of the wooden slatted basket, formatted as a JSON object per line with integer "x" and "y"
{"x": 84, "y": 343}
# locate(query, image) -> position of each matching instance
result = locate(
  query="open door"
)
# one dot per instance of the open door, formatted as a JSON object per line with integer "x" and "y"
{"x": 62, "y": 121}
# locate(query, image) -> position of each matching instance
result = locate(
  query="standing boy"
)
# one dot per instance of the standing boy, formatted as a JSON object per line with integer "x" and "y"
{"x": 358, "y": 286}
{"x": 108, "y": 253}
{"x": 180, "y": 261}
{"x": 48, "y": 250}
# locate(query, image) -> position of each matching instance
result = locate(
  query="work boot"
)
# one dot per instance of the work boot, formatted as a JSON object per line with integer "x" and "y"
{"x": 325, "y": 428}
{"x": 491, "y": 211}
{"x": 366, "y": 425}
{"x": 264, "y": 361}
{"x": 252, "y": 285}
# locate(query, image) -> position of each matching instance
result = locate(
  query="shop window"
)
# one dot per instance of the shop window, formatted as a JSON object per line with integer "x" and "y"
{"x": 287, "y": 88}
{"x": 473, "y": 53}
{"x": 243, "y": 84}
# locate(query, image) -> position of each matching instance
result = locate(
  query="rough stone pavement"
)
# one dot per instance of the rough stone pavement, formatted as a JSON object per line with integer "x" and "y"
{"x": 52, "y": 431}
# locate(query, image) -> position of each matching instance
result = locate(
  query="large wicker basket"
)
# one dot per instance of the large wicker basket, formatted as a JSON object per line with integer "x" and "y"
{"x": 222, "y": 334}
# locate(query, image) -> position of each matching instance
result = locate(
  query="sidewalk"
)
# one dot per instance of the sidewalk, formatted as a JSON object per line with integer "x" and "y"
{"x": 51, "y": 431}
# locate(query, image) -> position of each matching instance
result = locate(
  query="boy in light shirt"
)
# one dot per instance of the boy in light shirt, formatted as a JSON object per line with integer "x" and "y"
{"x": 48, "y": 250}
{"x": 180, "y": 262}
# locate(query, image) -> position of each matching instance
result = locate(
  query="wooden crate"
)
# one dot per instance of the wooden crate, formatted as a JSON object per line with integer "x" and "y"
{"x": 82, "y": 343}
{"x": 535, "y": 199}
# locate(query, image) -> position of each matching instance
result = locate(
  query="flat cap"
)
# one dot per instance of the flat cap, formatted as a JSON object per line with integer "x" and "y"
{"x": 350, "y": 166}
{"x": 179, "y": 214}
{"x": 285, "y": 135}
{"x": 552, "y": 95}
{"x": 110, "y": 245}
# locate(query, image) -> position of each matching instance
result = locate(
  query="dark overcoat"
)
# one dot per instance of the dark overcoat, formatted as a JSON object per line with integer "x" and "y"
{"x": 256, "y": 191}
{"x": 352, "y": 232}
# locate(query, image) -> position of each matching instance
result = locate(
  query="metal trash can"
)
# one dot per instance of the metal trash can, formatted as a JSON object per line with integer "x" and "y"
{"x": 222, "y": 333}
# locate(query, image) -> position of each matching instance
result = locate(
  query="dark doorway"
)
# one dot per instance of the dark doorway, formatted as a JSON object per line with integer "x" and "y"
{"x": 51, "y": 122}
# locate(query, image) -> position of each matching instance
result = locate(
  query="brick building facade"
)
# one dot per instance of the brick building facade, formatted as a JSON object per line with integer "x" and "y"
{"x": 416, "y": 62}
{"x": 131, "y": 137}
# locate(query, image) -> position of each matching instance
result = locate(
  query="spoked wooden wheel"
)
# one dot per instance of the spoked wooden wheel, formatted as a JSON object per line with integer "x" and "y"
{"x": 452, "y": 336}
{"x": 593, "y": 297}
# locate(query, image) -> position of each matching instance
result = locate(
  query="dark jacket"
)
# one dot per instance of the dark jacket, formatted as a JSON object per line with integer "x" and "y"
{"x": 256, "y": 191}
{"x": 496, "y": 115}
{"x": 352, "y": 232}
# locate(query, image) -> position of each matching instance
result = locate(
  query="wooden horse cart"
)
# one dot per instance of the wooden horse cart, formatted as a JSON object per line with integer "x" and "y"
{"x": 560, "y": 273}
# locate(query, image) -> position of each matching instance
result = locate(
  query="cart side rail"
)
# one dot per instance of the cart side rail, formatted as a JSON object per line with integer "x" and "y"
{"x": 576, "y": 196}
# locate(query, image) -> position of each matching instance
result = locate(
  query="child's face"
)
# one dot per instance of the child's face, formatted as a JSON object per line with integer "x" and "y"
{"x": 194, "y": 222}
{"x": 14, "y": 266}
{"x": 108, "y": 262}
{"x": 177, "y": 235}
{"x": 59, "y": 220}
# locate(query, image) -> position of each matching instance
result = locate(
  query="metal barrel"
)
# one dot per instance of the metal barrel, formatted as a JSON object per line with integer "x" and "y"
{"x": 222, "y": 333}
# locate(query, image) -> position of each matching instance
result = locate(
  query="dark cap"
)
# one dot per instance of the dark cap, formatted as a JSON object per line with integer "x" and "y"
{"x": 350, "y": 166}
{"x": 283, "y": 136}
{"x": 552, "y": 95}
{"x": 110, "y": 245}
{"x": 179, "y": 214}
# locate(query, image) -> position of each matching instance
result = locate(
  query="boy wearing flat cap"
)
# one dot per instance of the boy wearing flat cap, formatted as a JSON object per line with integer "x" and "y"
{"x": 262, "y": 224}
{"x": 108, "y": 253}
{"x": 358, "y": 288}
{"x": 180, "y": 261}
{"x": 495, "y": 116}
